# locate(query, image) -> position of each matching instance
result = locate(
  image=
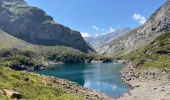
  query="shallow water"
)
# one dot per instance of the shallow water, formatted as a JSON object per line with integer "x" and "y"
{"x": 102, "y": 77}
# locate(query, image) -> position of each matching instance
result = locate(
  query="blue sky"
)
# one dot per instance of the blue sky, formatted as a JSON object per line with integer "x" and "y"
{"x": 96, "y": 17}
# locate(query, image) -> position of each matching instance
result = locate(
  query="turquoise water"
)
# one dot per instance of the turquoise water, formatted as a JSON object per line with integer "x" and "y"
{"x": 102, "y": 77}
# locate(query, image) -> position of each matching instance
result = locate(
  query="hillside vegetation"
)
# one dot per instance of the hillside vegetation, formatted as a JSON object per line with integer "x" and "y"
{"x": 32, "y": 86}
{"x": 142, "y": 35}
{"x": 17, "y": 51}
{"x": 156, "y": 54}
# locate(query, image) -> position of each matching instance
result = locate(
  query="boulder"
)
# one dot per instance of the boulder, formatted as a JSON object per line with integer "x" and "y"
{"x": 39, "y": 67}
{"x": 12, "y": 94}
{"x": 18, "y": 67}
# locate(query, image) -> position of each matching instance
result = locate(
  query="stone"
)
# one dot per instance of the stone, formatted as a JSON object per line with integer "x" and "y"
{"x": 18, "y": 67}
{"x": 12, "y": 94}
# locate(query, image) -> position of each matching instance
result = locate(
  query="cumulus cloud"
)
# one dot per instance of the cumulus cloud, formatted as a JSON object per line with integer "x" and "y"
{"x": 85, "y": 34}
{"x": 102, "y": 31}
{"x": 95, "y": 27}
{"x": 138, "y": 17}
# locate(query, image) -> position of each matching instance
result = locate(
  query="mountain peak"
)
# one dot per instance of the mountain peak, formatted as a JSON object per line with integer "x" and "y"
{"x": 34, "y": 26}
{"x": 143, "y": 35}
{"x": 14, "y": 2}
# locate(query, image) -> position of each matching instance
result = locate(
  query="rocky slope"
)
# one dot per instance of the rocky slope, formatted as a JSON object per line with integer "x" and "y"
{"x": 156, "y": 54}
{"x": 149, "y": 74}
{"x": 98, "y": 41}
{"x": 149, "y": 69}
{"x": 147, "y": 84}
{"x": 29, "y": 29}
{"x": 21, "y": 55}
{"x": 33, "y": 25}
{"x": 156, "y": 24}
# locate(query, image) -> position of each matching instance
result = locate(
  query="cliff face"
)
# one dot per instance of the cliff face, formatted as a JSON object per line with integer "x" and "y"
{"x": 156, "y": 24}
{"x": 33, "y": 25}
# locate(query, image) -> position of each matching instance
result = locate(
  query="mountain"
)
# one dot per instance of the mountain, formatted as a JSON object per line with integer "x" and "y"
{"x": 28, "y": 36}
{"x": 155, "y": 54}
{"x": 98, "y": 41}
{"x": 143, "y": 35}
{"x": 9, "y": 41}
{"x": 34, "y": 26}
{"x": 14, "y": 50}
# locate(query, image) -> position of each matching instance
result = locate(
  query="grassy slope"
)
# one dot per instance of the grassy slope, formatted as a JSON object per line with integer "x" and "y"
{"x": 9, "y": 41}
{"x": 156, "y": 54}
{"x": 32, "y": 86}
{"x": 43, "y": 53}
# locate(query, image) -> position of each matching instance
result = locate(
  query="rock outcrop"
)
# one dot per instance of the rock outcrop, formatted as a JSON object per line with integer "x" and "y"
{"x": 33, "y": 25}
{"x": 156, "y": 24}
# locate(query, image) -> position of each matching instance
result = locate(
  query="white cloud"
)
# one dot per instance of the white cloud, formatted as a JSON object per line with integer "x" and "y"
{"x": 95, "y": 27}
{"x": 111, "y": 29}
{"x": 102, "y": 31}
{"x": 138, "y": 17}
{"x": 85, "y": 34}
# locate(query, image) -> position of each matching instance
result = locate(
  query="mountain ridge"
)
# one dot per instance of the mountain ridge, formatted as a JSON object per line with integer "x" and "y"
{"x": 98, "y": 41}
{"x": 33, "y": 25}
{"x": 140, "y": 36}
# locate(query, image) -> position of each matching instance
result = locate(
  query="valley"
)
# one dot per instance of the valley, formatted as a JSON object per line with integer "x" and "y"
{"x": 45, "y": 60}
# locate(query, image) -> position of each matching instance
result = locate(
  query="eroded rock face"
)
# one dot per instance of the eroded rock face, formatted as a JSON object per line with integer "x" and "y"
{"x": 156, "y": 24}
{"x": 35, "y": 26}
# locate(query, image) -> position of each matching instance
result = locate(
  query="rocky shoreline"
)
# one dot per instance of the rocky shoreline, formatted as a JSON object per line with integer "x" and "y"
{"x": 73, "y": 88}
{"x": 32, "y": 67}
{"x": 147, "y": 84}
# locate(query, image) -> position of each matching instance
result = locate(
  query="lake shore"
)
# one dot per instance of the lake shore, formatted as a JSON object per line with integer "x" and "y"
{"x": 92, "y": 76}
{"x": 73, "y": 88}
{"x": 147, "y": 84}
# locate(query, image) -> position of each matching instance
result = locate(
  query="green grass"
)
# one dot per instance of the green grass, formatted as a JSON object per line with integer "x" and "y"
{"x": 39, "y": 53}
{"x": 156, "y": 54}
{"x": 32, "y": 87}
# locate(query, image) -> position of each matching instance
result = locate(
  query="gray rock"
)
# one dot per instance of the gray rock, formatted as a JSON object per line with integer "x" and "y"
{"x": 143, "y": 35}
{"x": 33, "y": 25}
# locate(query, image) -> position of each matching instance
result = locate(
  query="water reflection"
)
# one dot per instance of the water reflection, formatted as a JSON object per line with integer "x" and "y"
{"x": 101, "y": 77}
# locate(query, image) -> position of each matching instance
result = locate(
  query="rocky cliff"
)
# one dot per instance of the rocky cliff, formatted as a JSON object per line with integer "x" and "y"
{"x": 156, "y": 24}
{"x": 33, "y": 25}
